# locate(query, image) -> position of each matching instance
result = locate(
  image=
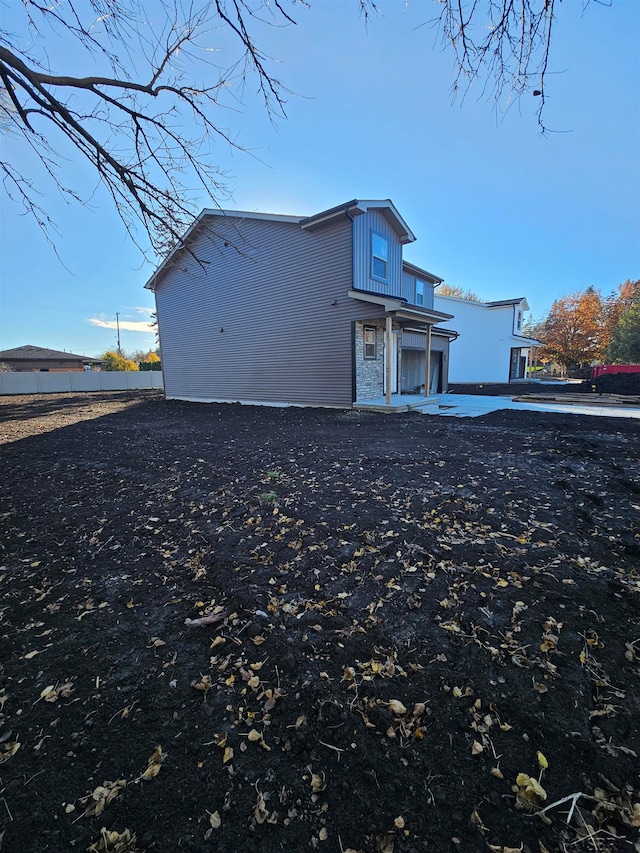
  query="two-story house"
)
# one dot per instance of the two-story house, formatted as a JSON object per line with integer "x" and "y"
{"x": 318, "y": 310}
{"x": 491, "y": 346}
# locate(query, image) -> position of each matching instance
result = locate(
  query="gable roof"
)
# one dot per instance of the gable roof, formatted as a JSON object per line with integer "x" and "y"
{"x": 421, "y": 273}
{"x": 356, "y": 207}
{"x": 41, "y": 354}
{"x": 400, "y": 307}
{"x": 350, "y": 208}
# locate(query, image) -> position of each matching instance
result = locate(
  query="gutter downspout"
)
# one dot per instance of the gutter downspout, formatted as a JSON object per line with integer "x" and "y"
{"x": 353, "y": 248}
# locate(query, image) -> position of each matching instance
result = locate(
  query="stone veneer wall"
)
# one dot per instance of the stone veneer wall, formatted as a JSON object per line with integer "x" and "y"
{"x": 369, "y": 373}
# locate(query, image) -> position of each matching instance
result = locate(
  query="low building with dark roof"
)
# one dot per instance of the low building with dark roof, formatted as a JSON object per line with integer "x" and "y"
{"x": 31, "y": 359}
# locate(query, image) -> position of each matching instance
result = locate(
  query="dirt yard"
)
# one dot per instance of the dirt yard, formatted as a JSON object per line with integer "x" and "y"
{"x": 423, "y": 635}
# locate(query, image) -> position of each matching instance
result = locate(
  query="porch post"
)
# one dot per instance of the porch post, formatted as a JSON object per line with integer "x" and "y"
{"x": 427, "y": 364}
{"x": 387, "y": 359}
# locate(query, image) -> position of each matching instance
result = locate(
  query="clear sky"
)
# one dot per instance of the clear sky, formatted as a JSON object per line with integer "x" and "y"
{"x": 496, "y": 208}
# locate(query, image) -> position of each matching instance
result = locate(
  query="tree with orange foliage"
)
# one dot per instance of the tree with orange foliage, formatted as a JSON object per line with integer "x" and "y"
{"x": 574, "y": 333}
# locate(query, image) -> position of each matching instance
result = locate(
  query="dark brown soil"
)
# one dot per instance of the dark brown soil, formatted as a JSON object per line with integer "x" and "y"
{"x": 411, "y": 609}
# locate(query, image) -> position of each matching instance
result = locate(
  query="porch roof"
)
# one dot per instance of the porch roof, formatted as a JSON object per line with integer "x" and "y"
{"x": 400, "y": 308}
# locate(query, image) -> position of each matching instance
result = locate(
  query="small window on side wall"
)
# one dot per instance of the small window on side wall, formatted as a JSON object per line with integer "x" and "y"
{"x": 379, "y": 257}
{"x": 370, "y": 342}
{"x": 419, "y": 292}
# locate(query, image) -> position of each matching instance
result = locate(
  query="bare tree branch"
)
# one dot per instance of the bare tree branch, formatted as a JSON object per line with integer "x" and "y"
{"x": 147, "y": 123}
{"x": 131, "y": 129}
{"x": 502, "y": 44}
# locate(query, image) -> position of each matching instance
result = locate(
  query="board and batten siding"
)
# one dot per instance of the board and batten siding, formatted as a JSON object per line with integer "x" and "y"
{"x": 259, "y": 323}
{"x": 363, "y": 225}
{"x": 409, "y": 289}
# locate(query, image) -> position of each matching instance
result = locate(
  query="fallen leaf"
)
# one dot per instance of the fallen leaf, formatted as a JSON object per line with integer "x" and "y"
{"x": 8, "y": 749}
{"x": 114, "y": 842}
{"x": 154, "y": 763}
{"x": 318, "y": 782}
{"x": 95, "y": 803}
{"x": 151, "y": 772}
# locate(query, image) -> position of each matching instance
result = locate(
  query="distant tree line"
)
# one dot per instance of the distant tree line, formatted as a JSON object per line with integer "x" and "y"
{"x": 586, "y": 327}
{"x": 138, "y": 360}
{"x": 457, "y": 292}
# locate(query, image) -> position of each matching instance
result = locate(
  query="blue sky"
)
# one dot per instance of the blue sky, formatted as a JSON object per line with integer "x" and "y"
{"x": 496, "y": 208}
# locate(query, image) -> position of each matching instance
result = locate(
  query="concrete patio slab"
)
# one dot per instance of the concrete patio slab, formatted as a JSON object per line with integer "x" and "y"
{"x": 473, "y": 406}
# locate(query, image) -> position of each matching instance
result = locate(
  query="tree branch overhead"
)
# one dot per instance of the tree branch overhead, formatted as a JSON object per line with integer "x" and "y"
{"x": 150, "y": 114}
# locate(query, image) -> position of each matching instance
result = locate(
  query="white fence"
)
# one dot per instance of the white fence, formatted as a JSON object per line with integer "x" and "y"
{"x": 59, "y": 383}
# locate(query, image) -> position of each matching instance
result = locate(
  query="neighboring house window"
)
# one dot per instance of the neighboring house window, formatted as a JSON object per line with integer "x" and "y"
{"x": 419, "y": 292}
{"x": 519, "y": 325}
{"x": 370, "y": 342}
{"x": 379, "y": 257}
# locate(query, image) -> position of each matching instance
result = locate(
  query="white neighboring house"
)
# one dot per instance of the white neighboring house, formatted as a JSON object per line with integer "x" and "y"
{"x": 490, "y": 346}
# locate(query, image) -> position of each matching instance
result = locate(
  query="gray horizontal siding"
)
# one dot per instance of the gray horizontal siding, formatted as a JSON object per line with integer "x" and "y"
{"x": 271, "y": 293}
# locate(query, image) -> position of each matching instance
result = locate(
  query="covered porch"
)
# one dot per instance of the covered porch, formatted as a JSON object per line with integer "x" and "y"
{"x": 410, "y": 368}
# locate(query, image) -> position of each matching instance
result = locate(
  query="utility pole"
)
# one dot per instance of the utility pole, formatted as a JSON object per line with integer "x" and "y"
{"x": 118, "y": 328}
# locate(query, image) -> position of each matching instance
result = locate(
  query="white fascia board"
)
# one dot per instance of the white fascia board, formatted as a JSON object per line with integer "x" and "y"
{"x": 248, "y": 214}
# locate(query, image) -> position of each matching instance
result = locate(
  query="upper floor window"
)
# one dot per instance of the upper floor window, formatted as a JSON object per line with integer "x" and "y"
{"x": 419, "y": 292}
{"x": 379, "y": 257}
{"x": 519, "y": 323}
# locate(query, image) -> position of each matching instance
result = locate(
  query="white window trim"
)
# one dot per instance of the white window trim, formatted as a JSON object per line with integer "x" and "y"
{"x": 374, "y": 256}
